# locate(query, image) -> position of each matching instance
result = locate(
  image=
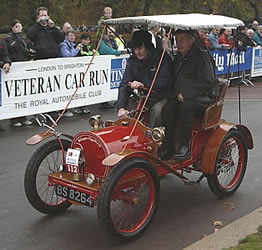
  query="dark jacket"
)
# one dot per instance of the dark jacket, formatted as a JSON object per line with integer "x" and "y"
{"x": 17, "y": 47}
{"x": 45, "y": 40}
{"x": 4, "y": 57}
{"x": 194, "y": 74}
{"x": 245, "y": 41}
{"x": 137, "y": 70}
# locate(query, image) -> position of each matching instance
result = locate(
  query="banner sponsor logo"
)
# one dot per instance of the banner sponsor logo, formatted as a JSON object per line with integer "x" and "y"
{"x": 258, "y": 59}
{"x": 257, "y": 62}
{"x": 238, "y": 61}
{"x": 118, "y": 67}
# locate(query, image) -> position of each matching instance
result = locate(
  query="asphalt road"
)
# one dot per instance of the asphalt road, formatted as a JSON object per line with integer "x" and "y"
{"x": 185, "y": 213}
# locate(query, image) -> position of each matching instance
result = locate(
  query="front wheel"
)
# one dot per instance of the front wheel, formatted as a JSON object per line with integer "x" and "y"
{"x": 47, "y": 159}
{"x": 129, "y": 198}
{"x": 230, "y": 165}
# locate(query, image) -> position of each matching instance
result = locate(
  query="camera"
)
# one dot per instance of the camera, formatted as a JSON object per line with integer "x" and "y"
{"x": 43, "y": 19}
{"x": 30, "y": 53}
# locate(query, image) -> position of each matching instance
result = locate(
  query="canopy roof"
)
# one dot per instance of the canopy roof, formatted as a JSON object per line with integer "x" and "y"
{"x": 181, "y": 21}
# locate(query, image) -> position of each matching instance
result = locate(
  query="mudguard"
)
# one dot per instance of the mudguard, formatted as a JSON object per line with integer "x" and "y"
{"x": 116, "y": 158}
{"x": 215, "y": 140}
{"x": 35, "y": 139}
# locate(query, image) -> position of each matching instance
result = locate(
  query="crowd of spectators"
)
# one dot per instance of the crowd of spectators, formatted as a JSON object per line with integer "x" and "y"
{"x": 228, "y": 38}
{"x": 44, "y": 39}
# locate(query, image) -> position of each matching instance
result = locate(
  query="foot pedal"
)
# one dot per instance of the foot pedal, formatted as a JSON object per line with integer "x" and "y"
{"x": 192, "y": 183}
{"x": 201, "y": 178}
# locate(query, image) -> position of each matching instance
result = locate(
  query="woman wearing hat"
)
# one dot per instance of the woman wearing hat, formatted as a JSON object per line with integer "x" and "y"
{"x": 140, "y": 72}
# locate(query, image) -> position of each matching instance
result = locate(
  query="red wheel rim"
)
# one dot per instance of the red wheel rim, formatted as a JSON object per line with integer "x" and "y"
{"x": 230, "y": 163}
{"x": 132, "y": 200}
{"x": 50, "y": 164}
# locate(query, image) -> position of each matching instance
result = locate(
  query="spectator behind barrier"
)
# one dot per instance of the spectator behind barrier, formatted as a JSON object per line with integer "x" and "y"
{"x": 152, "y": 30}
{"x": 86, "y": 49}
{"x": 203, "y": 34}
{"x": 258, "y": 36}
{"x": 66, "y": 27}
{"x": 242, "y": 40}
{"x": 45, "y": 35}
{"x": 162, "y": 38}
{"x": 108, "y": 45}
{"x": 18, "y": 48}
{"x": 250, "y": 35}
{"x": 119, "y": 42}
{"x": 226, "y": 39}
{"x": 5, "y": 63}
{"x": 67, "y": 47}
{"x": 107, "y": 15}
{"x": 18, "y": 51}
{"x": 253, "y": 26}
{"x": 213, "y": 39}
{"x": 106, "y": 48}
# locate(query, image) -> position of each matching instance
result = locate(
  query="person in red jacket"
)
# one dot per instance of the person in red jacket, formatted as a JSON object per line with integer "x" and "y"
{"x": 226, "y": 39}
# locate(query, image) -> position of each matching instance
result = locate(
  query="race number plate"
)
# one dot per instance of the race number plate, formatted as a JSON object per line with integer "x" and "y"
{"x": 72, "y": 159}
{"x": 74, "y": 195}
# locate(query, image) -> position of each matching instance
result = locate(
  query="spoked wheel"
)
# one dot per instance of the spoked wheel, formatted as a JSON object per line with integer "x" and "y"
{"x": 47, "y": 159}
{"x": 129, "y": 198}
{"x": 230, "y": 166}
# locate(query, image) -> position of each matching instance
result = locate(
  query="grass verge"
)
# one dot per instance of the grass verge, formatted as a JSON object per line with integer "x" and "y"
{"x": 251, "y": 242}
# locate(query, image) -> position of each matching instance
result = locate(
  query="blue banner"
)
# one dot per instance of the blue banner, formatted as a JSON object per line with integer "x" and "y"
{"x": 118, "y": 67}
{"x": 222, "y": 58}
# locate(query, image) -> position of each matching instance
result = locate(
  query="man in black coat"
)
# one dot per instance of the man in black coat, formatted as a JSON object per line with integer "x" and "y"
{"x": 140, "y": 72}
{"x": 194, "y": 79}
{"x": 5, "y": 63}
{"x": 45, "y": 35}
{"x": 241, "y": 39}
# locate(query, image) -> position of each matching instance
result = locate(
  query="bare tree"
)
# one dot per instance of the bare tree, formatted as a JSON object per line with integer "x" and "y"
{"x": 254, "y": 5}
{"x": 147, "y": 7}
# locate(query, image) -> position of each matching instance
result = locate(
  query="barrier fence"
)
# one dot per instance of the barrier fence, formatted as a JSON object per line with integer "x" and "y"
{"x": 46, "y": 85}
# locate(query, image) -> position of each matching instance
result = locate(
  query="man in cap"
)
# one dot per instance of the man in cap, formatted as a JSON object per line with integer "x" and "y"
{"x": 140, "y": 72}
{"x": 194, "y": 79}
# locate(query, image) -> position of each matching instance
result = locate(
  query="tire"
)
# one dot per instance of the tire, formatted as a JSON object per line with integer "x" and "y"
{"x": 125, "y": 209}
{"x": 45, "y": 160}
{"x": 230, "y": 165}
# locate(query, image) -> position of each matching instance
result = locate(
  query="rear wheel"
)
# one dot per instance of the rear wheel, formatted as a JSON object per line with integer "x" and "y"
{"x": 129, "y": 198}
{"x": 230, "y": 165}
{"x": 47, "y": 159}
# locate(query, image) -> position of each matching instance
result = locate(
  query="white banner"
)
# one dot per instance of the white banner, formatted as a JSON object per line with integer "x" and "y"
{"x": 256, "y": 68}
{"x": 47, "y": 85}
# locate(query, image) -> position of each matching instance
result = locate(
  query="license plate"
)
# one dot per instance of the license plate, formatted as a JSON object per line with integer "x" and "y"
{"x": 74, "y": 195}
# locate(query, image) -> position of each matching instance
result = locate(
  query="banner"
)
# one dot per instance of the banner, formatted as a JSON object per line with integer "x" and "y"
{"x": 257, "y": 62}
{"x": 46, "y": 85}
{"x": 222, "y": 59}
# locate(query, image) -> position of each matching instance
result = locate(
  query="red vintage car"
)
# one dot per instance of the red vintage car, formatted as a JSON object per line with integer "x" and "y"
{"x": 116, "y": 167}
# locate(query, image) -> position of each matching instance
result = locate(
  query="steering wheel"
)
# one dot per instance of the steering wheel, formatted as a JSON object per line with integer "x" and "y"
{"x": 142, "y": 92}
{"x": 145, "y": 91}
